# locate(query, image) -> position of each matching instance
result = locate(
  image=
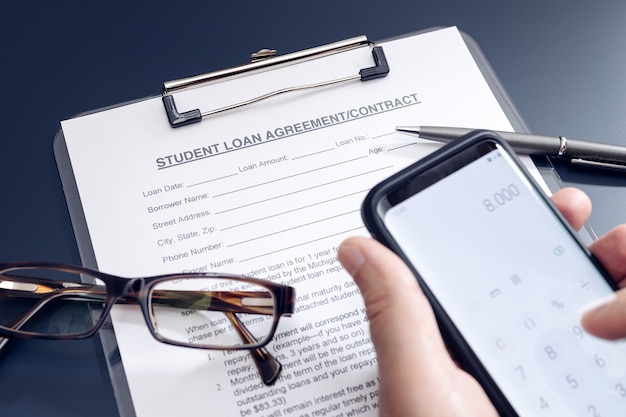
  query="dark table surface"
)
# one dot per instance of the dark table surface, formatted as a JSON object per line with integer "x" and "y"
{"x": 563, "y": 63}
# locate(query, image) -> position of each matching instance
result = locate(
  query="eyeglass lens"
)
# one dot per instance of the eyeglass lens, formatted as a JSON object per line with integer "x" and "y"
{"x": 212, "y": 312}
{"x": 49, "y": 302}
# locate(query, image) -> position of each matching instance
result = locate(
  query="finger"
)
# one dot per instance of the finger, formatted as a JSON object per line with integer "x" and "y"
{"x": 610, "y": 250}
{"x": 608, "y": 319}
{"x": 574, "y": 204}
{"x": 401, "y": 320}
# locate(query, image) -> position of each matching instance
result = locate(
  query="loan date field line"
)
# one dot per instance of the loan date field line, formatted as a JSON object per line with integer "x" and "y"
{"x": 212, "y": 180}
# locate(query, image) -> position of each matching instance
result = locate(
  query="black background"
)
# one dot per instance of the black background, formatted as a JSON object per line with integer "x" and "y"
{"x": 562, "y": 62}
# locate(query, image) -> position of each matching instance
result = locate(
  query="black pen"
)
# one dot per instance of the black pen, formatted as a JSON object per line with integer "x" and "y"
{"x": 578, "y": 152}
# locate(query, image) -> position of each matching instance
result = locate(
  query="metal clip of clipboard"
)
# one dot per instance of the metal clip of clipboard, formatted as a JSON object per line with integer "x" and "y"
{"x": 265, "y": 60}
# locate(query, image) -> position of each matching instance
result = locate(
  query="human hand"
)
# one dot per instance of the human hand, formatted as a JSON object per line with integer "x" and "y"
{"x": 608, "y": 319}
{"x": 418, "y": 376}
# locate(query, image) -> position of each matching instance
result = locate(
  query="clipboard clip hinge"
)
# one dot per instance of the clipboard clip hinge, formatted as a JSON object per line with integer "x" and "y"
{"x": 264, "y": 60}
{"x": 263, "y": 54}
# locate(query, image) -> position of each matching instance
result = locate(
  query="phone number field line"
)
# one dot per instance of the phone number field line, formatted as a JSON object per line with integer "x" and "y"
{"x": 301, "y": 244}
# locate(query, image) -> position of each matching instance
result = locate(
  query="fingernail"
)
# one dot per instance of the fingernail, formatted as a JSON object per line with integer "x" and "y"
{"x": 350, "y": 257}
{"x": 596, "y": 304}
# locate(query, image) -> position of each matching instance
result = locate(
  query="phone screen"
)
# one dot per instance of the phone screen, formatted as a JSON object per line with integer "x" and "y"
{"x": 512, "y": 280}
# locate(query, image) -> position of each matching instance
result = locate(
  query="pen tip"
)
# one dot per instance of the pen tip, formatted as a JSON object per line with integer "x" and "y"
{"x": 408, "y": 129}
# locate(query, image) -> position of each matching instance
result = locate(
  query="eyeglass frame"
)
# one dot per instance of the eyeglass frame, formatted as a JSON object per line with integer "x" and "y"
{"x": 138, "y": 290}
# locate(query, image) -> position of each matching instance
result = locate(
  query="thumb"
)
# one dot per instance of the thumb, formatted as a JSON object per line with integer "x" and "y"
{"x": 403, "y": 326}
{"x": 607, "y": 317}
{"x": 418, "y": 376}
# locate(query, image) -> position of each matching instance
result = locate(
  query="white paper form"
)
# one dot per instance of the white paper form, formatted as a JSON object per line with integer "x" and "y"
{"x": 269, "y": 190}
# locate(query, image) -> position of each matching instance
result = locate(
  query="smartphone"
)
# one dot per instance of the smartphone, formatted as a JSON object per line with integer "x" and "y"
{"x": 506, "y": 276}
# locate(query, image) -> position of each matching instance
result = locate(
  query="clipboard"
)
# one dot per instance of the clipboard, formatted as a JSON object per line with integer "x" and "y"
{"x": 179, "y": 118}
{"x": 262, "y": 60}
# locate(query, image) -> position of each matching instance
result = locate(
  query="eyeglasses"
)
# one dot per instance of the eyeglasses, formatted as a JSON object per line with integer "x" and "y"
{"x": 194, "y": 310}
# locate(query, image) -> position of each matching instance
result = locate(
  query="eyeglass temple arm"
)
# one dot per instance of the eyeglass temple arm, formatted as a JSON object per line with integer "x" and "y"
{"x": 268, "y": 366}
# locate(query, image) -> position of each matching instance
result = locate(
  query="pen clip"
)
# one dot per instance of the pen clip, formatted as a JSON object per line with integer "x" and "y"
{"x": 264, "y": 60}
{"x": 597, "y": 164}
